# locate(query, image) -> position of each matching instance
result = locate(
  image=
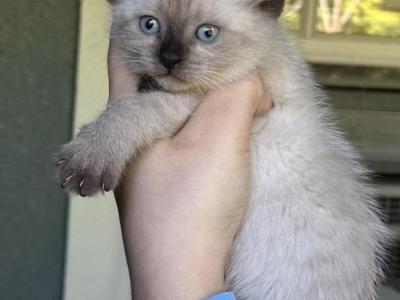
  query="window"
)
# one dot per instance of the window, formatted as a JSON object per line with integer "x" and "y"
{"x": 347, "y": 32}
{"x": 354, "y": 46}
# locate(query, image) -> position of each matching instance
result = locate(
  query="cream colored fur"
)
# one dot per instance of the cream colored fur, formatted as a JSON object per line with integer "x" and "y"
{"x": 312, "y": 231}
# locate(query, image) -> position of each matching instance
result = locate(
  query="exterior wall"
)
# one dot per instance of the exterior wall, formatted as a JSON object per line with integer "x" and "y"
{"x": 37, "y": 69}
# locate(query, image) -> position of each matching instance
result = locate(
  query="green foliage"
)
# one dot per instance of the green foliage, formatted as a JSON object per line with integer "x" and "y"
{"x": 370, "y": 17}
{"x": 291, "y": 15}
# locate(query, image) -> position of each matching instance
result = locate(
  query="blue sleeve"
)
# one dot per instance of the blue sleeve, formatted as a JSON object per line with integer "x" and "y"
{"x": 223, "y": 296}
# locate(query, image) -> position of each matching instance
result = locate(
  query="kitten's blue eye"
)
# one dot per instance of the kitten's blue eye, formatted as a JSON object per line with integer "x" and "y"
{"x": 207, "y": 33}
{"x": 149, "y": 25}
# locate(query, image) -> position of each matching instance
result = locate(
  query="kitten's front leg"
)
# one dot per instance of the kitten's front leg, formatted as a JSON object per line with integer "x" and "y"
{"x": 96, "y": 158}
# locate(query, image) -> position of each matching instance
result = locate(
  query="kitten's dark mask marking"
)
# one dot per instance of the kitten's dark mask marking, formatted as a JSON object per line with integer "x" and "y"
{"x": 171, "y": 51}
{"x": 148, "y": 84}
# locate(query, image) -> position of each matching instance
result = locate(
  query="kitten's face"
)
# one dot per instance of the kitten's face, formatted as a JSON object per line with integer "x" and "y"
{"x": 192, "y": 45}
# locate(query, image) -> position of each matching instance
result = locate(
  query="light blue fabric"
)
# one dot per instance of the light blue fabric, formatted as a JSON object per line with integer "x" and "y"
{"x": 223, "y": 296}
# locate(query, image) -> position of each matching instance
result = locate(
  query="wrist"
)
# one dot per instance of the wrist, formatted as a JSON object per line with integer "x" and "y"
{"x": 184, "y": 267}
{"x": 185, "y": 274}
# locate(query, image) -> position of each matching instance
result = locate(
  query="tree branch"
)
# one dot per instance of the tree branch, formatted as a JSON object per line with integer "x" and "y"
{"x": 326, "y": 15}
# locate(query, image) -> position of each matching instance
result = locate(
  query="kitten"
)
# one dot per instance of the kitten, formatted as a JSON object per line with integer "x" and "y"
{"x": 312, "y": 230}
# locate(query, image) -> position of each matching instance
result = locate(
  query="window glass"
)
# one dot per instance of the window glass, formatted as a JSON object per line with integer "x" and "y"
{"x": 359, "y": 17}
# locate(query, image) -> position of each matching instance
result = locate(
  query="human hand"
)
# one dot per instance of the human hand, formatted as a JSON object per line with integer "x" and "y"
{"x": 181, "y": 203}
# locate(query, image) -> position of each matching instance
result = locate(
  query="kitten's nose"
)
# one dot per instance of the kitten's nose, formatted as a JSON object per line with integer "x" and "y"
{"x": 170, "y": 59}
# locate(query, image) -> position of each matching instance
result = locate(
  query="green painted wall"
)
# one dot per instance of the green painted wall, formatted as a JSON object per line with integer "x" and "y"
{"x": 37, "y": 72}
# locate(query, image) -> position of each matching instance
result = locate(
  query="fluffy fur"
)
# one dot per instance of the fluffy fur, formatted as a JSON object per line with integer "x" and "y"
{"x": 312, "y": 231}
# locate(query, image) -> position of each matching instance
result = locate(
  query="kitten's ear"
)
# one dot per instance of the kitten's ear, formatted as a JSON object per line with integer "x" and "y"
{"x": 272, "y": 7}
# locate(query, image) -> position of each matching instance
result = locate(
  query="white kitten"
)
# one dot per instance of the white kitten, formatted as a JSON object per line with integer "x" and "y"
{"x": 312, "y": 230}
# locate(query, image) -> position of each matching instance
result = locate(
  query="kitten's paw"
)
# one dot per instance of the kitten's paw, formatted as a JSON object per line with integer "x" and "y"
{"x": 86, "y": 169}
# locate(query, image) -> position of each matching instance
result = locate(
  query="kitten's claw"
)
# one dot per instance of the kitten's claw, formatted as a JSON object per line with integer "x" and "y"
{"x": 67, "y": 180}
{"x": 109, "y": 181}
{"x": 86, "y": 169}
{"x": 81, "y": 192}
{"x": 103, "y": 186}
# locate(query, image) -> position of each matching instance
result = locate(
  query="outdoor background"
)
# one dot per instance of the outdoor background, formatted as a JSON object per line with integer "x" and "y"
{"x": 53, "y": 80}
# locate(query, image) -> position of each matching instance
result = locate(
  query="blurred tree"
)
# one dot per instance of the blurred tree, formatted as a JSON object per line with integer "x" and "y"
{"x": 291, "y": 15}
{"x": 357, "y": 17}
{"x": 336, "y": 14}
{"x": 371, "y": 18}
